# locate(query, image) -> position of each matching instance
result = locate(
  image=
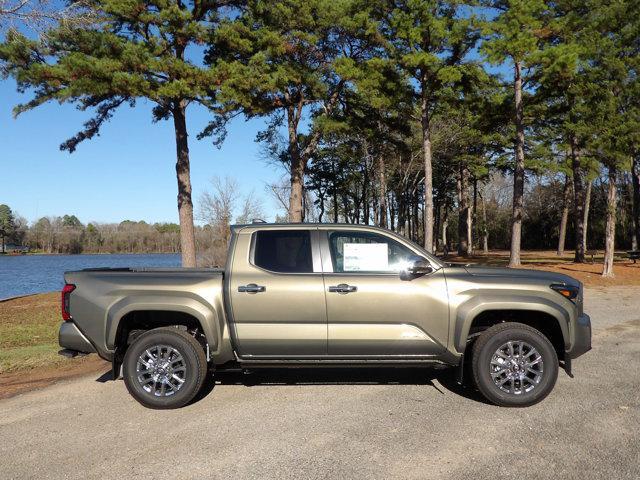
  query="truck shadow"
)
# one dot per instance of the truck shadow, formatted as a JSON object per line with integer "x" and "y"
{"x": 312, "y": 377}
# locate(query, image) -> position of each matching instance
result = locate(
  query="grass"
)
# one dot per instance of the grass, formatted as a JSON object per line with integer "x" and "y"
{"x": 29, "y": 333}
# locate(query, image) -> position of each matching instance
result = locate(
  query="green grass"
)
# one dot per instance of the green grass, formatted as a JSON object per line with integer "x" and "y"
{"x": 29, "y": 333}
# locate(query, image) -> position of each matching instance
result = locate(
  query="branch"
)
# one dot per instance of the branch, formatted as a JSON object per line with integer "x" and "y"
{"x": 92, "y": 127}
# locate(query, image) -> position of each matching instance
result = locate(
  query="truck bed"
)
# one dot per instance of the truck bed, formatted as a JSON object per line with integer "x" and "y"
{"x": 102, "y": 297}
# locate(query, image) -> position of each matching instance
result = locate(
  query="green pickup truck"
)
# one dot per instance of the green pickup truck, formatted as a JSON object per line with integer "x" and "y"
{"x": 313, "y": 295}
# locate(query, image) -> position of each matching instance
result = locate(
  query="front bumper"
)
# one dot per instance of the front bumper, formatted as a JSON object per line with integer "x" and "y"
{"x": 70, "y": 338}
{"x": 582, "y": 338}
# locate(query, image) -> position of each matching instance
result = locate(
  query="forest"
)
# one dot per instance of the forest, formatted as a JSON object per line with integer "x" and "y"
{"x": 463, "y": 125}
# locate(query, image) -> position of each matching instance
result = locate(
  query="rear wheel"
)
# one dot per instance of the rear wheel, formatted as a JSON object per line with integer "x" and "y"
{"x": 514, "y": 365}
{"x": 164, "y": 368}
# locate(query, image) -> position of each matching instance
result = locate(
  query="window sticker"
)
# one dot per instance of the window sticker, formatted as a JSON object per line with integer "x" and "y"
{"x": 367, "y": 257}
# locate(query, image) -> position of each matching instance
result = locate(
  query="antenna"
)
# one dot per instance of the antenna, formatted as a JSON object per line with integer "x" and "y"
{"x": 257, "y": 220}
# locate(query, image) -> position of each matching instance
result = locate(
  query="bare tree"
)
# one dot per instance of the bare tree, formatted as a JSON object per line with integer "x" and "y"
{"x": 38, "y": 15}
{"x": 251, "y": 209}
{"x": 217, "y": 209}
{"x": 280, "y": 192}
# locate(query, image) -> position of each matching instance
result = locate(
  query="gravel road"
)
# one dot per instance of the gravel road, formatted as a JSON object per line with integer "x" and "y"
{"x": 346, "y": 424}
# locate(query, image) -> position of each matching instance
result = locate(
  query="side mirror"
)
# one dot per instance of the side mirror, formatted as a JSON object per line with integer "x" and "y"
{"x": 418, "y": 266}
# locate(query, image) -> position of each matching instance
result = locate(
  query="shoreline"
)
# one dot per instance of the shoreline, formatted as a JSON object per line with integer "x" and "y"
{"x": 43, "y": 254}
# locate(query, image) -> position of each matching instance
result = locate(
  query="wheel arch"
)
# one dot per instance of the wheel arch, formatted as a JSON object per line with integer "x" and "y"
{"x": 157, "y": 311}
{"x": 480, "y": 313}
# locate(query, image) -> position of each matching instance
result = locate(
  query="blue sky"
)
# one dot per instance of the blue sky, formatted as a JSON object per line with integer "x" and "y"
{"x": 126, "y": 173}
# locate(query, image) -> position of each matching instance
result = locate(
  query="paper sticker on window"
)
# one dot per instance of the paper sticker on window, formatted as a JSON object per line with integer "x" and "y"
{"x": 368, "y": 257}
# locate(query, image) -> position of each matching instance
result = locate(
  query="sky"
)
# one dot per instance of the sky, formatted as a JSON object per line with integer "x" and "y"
{"x": 128, "y": 172}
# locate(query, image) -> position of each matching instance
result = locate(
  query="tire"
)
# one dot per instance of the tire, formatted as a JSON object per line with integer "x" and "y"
{"x": 521, "y": 345}
{"x": 164, "y": 368}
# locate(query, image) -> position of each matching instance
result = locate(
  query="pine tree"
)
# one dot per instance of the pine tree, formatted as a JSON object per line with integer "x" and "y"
{"x": 516, "y": 35}
{"x": 136, "y": 50}
{"x": 7, "y": 224}
{"x": 290, "y": 61}
{"x": 430, "y": 41}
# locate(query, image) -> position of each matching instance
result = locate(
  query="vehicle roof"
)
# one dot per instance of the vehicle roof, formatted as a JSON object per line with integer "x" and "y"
{"x": 334, "y": 226}
{"x": 308, "y": 225}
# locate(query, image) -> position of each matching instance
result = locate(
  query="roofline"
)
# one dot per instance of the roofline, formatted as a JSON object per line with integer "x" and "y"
{"x": 308, "y": 224}
{"x": 259, "y": 225}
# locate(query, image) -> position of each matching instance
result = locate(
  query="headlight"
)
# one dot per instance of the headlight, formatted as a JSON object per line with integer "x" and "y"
{"x": 567, "y": 291}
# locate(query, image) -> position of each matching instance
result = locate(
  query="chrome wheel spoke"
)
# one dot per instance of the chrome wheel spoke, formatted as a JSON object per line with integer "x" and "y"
{"x": 161, "y": 370}
{"x": 516, "y": 367}
{"x": 534, "y": 362}
{"x": 535, "y": 372}
{"x": 502, "y": 382}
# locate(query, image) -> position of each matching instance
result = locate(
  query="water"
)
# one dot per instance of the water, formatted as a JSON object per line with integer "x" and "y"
{"x": 25, "y": 274}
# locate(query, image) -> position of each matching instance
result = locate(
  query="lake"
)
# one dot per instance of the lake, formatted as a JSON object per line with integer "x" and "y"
{"x": 25, "y": 274}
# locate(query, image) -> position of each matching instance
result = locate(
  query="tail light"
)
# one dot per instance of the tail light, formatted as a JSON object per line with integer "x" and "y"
{"x": 66, "y": 293}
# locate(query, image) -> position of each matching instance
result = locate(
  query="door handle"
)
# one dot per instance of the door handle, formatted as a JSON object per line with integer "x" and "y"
{"x": 343, "y": 288}
{"x": 251, "y": 288}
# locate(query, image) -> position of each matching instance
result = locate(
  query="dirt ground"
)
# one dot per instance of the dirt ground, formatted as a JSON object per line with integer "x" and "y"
{"x": 626, "y": 272}
{"x": 29, "y": 346}
{"x": 15, "y": 383}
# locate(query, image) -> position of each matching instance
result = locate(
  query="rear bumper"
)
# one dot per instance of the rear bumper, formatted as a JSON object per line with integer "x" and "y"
{"x": 582, "y": 341}
{"x": 70, "y": 338}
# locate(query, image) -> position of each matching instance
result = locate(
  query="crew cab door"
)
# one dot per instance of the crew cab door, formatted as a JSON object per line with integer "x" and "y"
{"x": 371, "y": 311}
{"x": 276, "y": 294}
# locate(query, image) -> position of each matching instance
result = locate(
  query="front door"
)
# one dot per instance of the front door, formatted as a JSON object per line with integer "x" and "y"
{"x": 277, "y": 295}
{"x": 371, "y": 311}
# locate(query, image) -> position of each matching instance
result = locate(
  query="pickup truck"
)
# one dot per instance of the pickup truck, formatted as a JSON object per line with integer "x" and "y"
{"x": 312, "y": 295}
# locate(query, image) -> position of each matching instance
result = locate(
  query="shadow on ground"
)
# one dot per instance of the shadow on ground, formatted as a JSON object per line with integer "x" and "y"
{"x": 313, "y": 377}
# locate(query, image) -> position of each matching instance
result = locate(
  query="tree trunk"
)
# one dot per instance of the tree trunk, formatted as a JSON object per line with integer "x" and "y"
{"x": 463, "y": 212}
{"x": 428, "y": 171}
{"x": 566, "y": 199}
{"x": 445, "y": 224}
{"x": 296, "y": 167}
{"x": 471, "y": 217}
{"x": 485, "y": 230}
{"x": 578, "y": 200}
{"x": 392, "y": 211}
{"x": 518, "y": 172}
{"x": 635, "y": 181}
{"x": 416, "y": 224}
{"x": 382, "y": 193}
{"x": 335, "y": 192}
{"x": 585, "y": 217}
{"x": 183, "y": 172}
{"x": 610, "y": 232}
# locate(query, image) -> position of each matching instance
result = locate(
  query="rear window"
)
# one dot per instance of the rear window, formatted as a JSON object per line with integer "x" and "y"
{"x": 286, "y": 251}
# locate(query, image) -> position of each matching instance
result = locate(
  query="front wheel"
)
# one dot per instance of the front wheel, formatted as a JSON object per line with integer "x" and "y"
{"x": 164, "y": 368}
{"x": 514, "y": 365}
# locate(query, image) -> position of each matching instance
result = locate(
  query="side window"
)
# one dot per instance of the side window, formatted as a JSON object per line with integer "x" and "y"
{"x": 285, "y": 251}
{"x": 367, "y": 252}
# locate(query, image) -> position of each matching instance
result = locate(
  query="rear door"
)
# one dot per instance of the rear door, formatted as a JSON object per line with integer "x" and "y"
{"x": 371, "y": 310}
{"x": 277, "y": 294}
